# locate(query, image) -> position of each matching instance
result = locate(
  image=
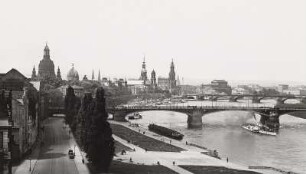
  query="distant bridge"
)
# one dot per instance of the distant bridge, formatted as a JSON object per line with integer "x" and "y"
{"x": 195, "y": 113}
{"x": 234, "y": 97}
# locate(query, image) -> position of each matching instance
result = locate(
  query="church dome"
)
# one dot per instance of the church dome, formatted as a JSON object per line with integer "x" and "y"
{"x": 73, "y": 74}
{"x": 46, "y": 65}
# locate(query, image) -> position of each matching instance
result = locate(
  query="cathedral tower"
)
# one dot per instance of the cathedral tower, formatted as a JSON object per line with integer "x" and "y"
{"x": 143, "y": 75}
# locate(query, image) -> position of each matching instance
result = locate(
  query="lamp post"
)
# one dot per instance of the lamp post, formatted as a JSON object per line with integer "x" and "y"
{"x": 30, "y": 164}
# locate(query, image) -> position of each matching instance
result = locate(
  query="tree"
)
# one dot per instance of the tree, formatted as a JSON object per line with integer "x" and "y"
{"x": 98, "y": 140}
{"x": 71, "y": 106}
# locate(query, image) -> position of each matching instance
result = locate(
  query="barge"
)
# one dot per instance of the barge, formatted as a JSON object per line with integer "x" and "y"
{"x": 165, "y": 132}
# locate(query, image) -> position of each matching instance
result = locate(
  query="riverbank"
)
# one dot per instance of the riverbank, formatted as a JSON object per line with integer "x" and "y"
{"x": 215, "y": 170}
{"x": 190, "y": 156}
{"x": 145, "y": 142}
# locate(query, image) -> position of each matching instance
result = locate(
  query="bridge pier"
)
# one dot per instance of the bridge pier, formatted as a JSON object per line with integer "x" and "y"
{"x": 255, "y": 100}
{"x": 233, "y": 99}
{"x": 195, "y": 119}
{"x": 303, "y": 100}
{"x": 280, "y": 101}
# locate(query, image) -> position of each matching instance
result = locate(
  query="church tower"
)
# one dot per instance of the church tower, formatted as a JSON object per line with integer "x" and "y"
{"x": 46, "y": 66}
{"x": 33, "y": 77}
{"x": 143, "y": 75}
{"x": 172, "y": 81}
{"x": 58, "y": 75}
{"x": 93, "y": 75}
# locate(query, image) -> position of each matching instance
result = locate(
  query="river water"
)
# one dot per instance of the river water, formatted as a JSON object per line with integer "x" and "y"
{"x": 222, "y": 131}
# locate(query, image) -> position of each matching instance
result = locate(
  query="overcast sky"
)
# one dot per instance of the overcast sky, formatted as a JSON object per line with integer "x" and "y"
{"x": 235, "y": 40}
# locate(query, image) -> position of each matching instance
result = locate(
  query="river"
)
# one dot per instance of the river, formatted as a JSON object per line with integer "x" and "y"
{"x": 222, "y": 131}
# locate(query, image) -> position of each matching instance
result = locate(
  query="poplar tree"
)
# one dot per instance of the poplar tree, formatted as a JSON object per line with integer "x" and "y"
{"x": 99, "y": 143}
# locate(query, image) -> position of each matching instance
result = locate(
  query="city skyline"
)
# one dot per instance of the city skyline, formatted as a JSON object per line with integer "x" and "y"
{"x": 238, "y": 41}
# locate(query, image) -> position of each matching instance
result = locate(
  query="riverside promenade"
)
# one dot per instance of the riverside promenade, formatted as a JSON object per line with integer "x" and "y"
{"x": 190, "y": 156}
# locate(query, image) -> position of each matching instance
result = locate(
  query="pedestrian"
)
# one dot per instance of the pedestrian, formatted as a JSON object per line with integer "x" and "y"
{"x": 131, "y": 160}
{"x": 174, "y": 163}
{"x": 170, "y": 141}
{"x": 83, "y": 160}
{"x": 186, "y": 143}
{"x": 227, "y": 159}
{"x": 158, "y": 163}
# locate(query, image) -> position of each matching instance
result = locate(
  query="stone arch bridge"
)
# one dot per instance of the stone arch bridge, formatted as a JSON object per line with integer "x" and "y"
{"x": 269, "y": 115}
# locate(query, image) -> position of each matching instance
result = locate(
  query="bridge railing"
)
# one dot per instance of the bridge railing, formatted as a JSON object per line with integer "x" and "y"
{"x": 171, "y": 107}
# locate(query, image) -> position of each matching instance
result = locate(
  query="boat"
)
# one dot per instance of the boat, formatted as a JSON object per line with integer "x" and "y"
{"x": 259, "y": 129}
{"x": 136, "y": 115}
{"x": 165, "y": 132}
{"x": 252, "y": 128}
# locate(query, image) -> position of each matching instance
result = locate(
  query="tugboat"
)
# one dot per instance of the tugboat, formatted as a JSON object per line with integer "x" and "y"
{"x": 136, "y": 115}
{"x": 259, "y": 129}
{"x": 252, "y": 128}
{"x": 165, "y": 132}
{"x": 266, "y": 131}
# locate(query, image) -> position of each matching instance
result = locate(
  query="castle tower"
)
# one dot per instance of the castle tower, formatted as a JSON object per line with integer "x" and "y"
{"x": 153, "y": 79}
{"x": 46, "y": 66}
{"x": 58, "y": 75}
{"x": 143, "y": 75}
{"x": 33, "y": 77}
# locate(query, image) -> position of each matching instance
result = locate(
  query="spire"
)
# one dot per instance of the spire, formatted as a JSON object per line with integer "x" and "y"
{"x": 99, "y": 76}
{"x": 58, "y": 75}
{"x": 46, "y": 52}
{"x": 144, "y": 63}
{"x": 172, "y": 80}
{"x": 33, "y": 73}
{"x": 172, "y": 64}
{"x": 93, "y": 75}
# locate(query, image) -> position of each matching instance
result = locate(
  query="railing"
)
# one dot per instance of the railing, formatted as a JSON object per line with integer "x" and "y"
{"x": 204, "y": 108}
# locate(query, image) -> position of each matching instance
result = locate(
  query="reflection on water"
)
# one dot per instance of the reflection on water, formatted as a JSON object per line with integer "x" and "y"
{"x": 222, "y": 131}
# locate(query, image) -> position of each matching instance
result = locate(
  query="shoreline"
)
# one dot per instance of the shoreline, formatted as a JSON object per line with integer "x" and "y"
{"x": 191, "y": 156}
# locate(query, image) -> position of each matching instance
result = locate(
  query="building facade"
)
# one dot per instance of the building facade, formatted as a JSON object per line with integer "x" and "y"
{"x": 24, "y": 111}
{"x": 221, "y": 86}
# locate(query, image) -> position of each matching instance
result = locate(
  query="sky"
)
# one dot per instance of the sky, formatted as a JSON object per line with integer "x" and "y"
{"x": 235, "y": 40}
